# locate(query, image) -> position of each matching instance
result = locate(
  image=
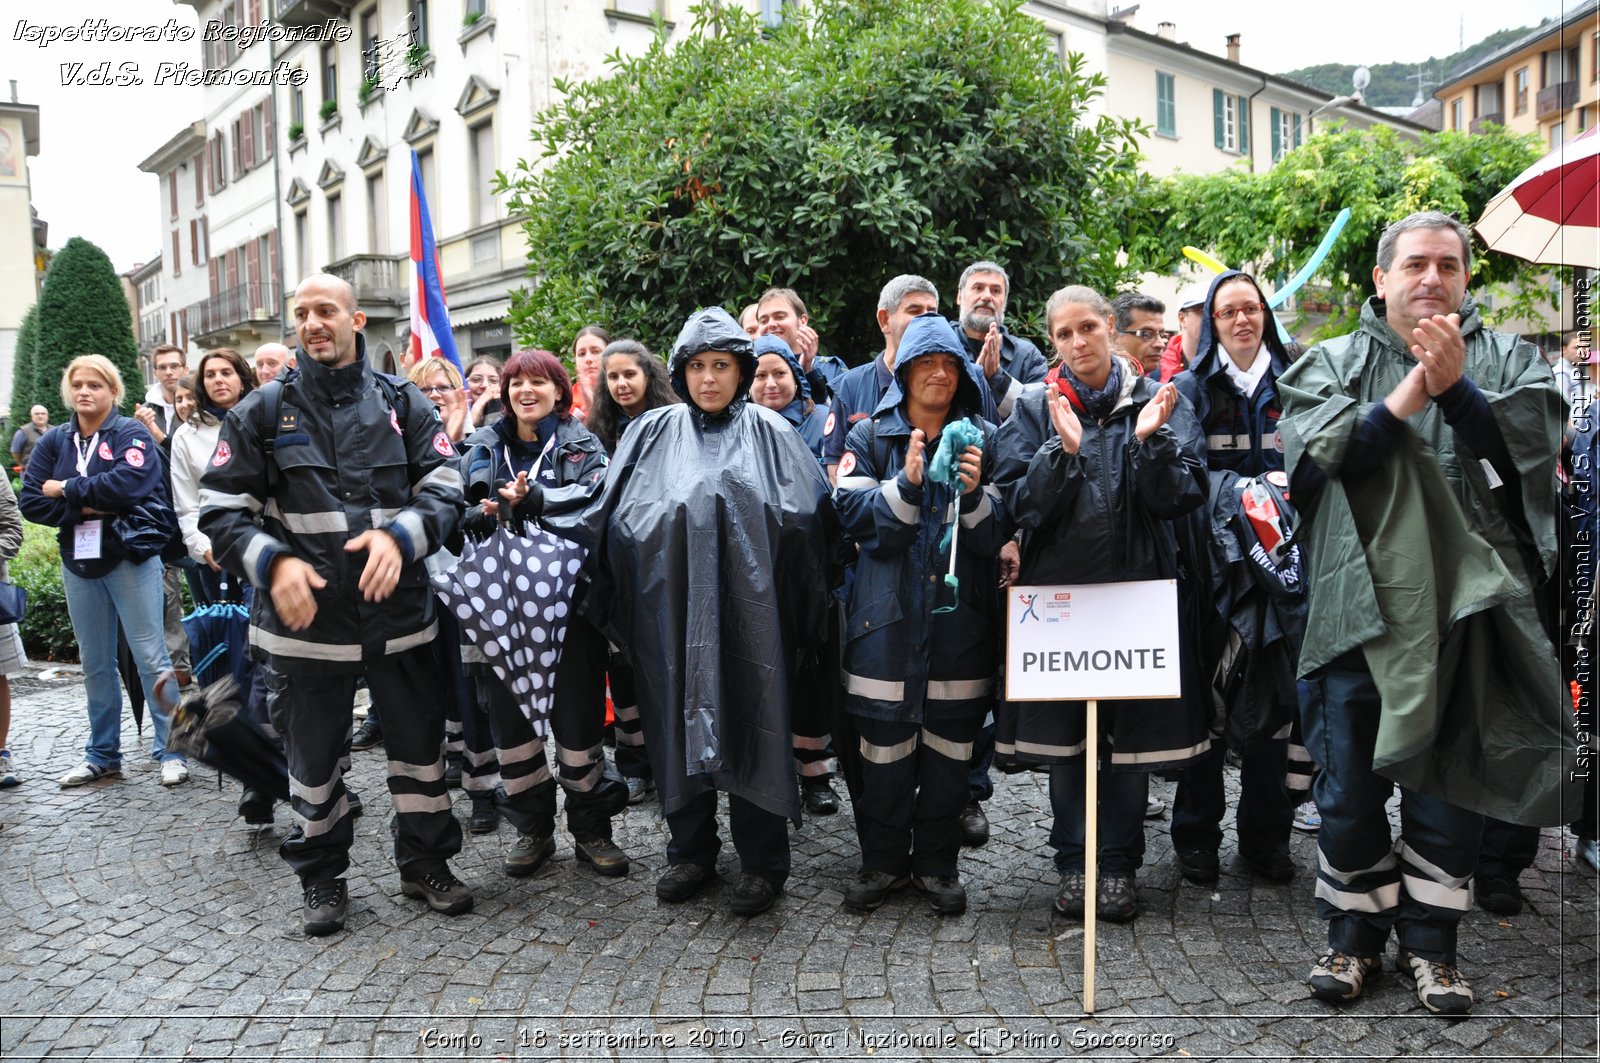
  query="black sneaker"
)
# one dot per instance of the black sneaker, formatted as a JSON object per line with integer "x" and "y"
{"x": 872, "y": 888}
{"x": 819, "y": 797}
{"x": 753, "y": 894}
{"x": 682, "y": 881}
{"x": 973, "y": 825}
{"x": 1274, "y": 867}
{"x": 324, "y": 907}
{"x": 1116, "y": 898}
{"x": 1071, "y": 896}
{"x": 1199, "y": 865}
{"x": 485, "y": 814}
{"x": 368, "y": 735}
{"x": 604, "y": 854}
{"x": 1499, "y": 895}
{"x": 256, "y": 808}
{"x": 945, "y": 892}
{"x": 443, "y": 892}
{"x": 528, "y": 854}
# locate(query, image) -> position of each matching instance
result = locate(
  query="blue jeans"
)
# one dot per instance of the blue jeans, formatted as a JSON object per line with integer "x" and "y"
{"x": 1121, "y": 817}
{"x": 132, "y": 594}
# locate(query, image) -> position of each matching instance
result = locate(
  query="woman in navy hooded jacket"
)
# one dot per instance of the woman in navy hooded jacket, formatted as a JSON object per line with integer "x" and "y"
{"x": 1095, "y": 469}
{"x": 1232, "y": 384}
{"x": 918, "y": 681}
{"x": 80, "y": 476}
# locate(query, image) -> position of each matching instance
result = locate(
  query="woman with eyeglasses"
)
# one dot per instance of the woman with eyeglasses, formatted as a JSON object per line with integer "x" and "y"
{"x": 1095, "y": 469}
{"x": 1232, "y": 384}
{"x": 441, "y": 381}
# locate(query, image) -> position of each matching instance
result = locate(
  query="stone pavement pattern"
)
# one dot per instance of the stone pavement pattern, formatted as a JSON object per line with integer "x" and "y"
{"x": 143, "y": 923}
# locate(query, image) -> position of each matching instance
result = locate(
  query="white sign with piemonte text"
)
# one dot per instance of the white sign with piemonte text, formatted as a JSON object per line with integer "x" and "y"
{"x": 1106, "y": 641}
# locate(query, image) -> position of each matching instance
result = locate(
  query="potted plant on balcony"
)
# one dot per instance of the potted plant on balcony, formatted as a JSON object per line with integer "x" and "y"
{"x": 328, "y": 109}
{"x": 369, "y": 85}
{"x": 471, "y": 18}
{"x": 297, "y": 132}
{"x": 416, "y": 55}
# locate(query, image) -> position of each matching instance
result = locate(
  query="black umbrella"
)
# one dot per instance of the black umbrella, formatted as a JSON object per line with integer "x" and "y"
{"x": 512, "y": 595}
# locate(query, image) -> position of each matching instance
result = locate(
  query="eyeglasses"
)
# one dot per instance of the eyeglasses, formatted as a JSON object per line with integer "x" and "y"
{"x": 1248, "y": 309}
{"x": 1146, "y": 334}
{"x": 437, "y": 389}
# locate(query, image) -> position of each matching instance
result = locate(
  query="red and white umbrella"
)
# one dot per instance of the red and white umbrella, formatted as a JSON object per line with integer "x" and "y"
{"x": 1551, "y": 213}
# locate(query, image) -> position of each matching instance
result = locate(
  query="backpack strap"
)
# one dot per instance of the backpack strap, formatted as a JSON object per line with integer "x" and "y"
{"x": 272, "y": 403}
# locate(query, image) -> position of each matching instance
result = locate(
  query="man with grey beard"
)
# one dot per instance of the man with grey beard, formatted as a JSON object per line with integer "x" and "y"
{"x": 1010, "y": 364}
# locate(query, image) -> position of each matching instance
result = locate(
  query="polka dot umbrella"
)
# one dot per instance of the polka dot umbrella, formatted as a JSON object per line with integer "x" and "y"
{"x": 512, "y": 595}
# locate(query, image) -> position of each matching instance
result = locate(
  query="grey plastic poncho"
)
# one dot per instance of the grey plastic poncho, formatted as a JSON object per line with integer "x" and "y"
{"x": 716, "y": 539}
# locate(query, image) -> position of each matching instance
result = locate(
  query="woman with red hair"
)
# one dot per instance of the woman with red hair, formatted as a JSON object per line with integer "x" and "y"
{"x": 540, "y": 452}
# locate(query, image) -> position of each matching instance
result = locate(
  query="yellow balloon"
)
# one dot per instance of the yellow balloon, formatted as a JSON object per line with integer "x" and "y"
{"x": 1194, "y": 254}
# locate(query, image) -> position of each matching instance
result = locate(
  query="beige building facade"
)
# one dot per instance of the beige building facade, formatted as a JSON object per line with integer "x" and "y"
{"x": 23, "y": 236}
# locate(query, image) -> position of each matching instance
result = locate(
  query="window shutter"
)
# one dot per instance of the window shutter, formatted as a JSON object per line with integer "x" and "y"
{"x": 1216, "y": 117}
{"x": 177, "y": 258}
{"x": 1297, "y": 131}
{"x": 266, "y": 129}
{"x": 1276, "y": 117}
{"x": 212, "y": 274}
{"x": 273, "y": 283}
{"x": 194, "y": 241}
{"x": 1244, "y": 125}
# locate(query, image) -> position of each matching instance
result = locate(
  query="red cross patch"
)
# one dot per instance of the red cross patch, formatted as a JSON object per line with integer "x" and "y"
{"x": 224, "y": 452}
{"x": 134, "y": 457}
{"x": 105, "y": 452}
{"x": 441, "y": 443}
{"x": 827, "y": 426}
{"x": 847, "y": 464}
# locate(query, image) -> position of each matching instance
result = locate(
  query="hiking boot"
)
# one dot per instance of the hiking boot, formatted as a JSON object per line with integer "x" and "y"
{"x": 368, "y": 735}
{"x": 1274, "y": 867}
{"x": 1440, "y": 986}
{"x": 1072, "y": 894}
{"x": 682, "y": 881}
{"x": 528, "y": 854}
{"x": 324, "y": 907}
{"x": 1116, "y": 898}
{"x": 606, "y": 856}
{"x": 753, "y": 894}
{"x": 1499, "y": 895}
{"x": 1199, "y": 865}
{"x": 8, "y": 770}
{"x": 256, "y": 808}
{"x": 485, "y": 814}
{"x": 443, "y": 892}
{"x": 945, "y": 892}
{"x": 871, "y": 889}
{"x": 1338, "y": 978}
{"x": 637, "y": 788}
{"x": 87, "y": 773}
{"x": 973, "y": 825}
{"x": 820, "y": 800}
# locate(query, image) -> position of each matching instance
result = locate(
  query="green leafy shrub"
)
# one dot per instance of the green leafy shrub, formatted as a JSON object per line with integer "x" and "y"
{"x": 47, "y": 628}
{"x": 296, "y": 131}
{"x": 328, "y": 109}
{"x": 23, "y": 383}
{"x": 857, "y": 140}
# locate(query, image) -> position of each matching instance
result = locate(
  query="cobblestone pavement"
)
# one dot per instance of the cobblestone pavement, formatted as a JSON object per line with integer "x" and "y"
{"x": 140, "y": 922}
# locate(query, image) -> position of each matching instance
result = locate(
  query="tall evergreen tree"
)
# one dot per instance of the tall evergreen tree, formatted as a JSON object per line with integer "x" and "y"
{"x": 82, "y": 311}
{"x": 24, "y": 382}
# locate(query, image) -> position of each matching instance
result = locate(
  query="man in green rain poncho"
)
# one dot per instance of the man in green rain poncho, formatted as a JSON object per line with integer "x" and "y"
{"x": 1423, "y": 451}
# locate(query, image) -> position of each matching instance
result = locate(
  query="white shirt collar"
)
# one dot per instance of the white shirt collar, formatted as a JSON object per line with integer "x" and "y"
{"x": 1247, "y": 380}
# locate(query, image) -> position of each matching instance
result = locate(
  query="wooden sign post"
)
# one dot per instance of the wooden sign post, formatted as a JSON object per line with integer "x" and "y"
{"x": 1092, "y": 642}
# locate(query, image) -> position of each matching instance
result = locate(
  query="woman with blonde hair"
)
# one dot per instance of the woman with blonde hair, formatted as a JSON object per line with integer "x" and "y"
{"x": 441, "y": 381}
{"x": 98, "y": 478}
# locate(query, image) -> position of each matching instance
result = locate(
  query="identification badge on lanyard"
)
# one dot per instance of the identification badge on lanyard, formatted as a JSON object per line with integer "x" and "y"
{"x": 86, "y": 540}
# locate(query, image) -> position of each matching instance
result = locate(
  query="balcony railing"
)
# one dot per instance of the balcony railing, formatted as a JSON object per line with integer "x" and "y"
{"x": 1493, "y": 118}
{"x": 379, "y": 281}
{"x": 1555, "y": 100}
{"x": 312, "y": 12}
{"x": 244, "y": 305}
